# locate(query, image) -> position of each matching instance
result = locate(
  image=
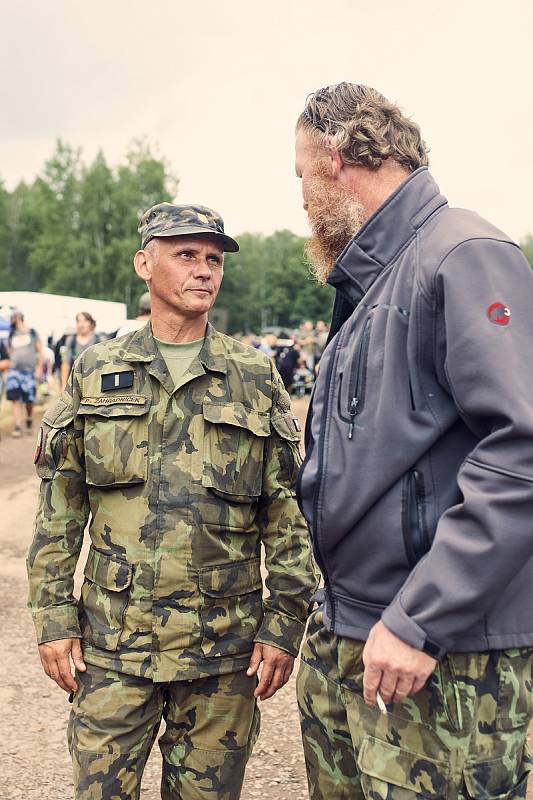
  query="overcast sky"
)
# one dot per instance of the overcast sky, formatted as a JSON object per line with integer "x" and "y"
{"x": 218, "y": 86}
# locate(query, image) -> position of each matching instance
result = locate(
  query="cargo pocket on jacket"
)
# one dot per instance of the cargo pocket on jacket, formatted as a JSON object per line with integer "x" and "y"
{"x": 115, "y": 441}
{"x": 384, "y": 766}
{"x": 515, "y": 688}
{"x": 231, "y": 607}
{"x": 104, "y": 599}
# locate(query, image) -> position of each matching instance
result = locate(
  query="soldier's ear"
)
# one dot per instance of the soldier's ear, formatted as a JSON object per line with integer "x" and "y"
{"x": 143, "y": 265}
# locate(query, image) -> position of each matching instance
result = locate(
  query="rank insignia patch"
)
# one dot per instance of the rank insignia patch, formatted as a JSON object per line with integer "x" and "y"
{"x": 117, "y": 380}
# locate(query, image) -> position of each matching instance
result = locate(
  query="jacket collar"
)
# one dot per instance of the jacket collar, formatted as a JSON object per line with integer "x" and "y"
{"x": 142, "y": 347}
{"x": 385, "y": 234}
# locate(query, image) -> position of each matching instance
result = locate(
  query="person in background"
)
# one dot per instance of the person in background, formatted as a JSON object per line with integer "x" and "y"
{"x": 268, "y": 345}
{"x": 26, "y": 355}
{"x": 143, "y": 316}
{"x": 5, "y": 363}
{"x": 322, "y": 333}
{"x": 84, "y": 337}
{"x": 288, "y": 360}
{"x": 48, "y": 368}
{"x": 307, "y": 342}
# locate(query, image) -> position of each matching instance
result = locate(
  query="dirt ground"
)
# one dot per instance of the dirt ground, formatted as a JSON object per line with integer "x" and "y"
{"x": 34, "y": 760}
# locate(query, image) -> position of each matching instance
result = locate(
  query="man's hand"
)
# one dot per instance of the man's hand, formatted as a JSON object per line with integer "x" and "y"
{"x": 56, "y": 663}
{"x": 392, "y": 667}
{"x": 276, "y": 671}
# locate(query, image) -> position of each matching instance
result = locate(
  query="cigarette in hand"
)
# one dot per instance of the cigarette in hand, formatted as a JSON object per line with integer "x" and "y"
{"x": 381, "y": 705}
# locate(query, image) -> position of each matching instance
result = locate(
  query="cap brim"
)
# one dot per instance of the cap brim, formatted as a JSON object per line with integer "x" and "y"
{"x": 230, "y": 245}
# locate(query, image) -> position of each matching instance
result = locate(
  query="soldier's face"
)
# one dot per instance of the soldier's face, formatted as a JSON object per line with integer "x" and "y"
{"x": 185, "y": 273}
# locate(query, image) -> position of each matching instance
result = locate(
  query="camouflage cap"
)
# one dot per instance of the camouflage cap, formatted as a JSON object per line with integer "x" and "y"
{"x": 166, "y": 219}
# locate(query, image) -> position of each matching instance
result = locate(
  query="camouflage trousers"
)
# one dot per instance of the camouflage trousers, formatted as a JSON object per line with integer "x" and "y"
{"x": 462, "y": 736}
{"x": 211, "y": 726}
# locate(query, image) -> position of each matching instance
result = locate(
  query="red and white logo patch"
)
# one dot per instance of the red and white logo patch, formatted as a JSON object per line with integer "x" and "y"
{"x": 499, "y": 313}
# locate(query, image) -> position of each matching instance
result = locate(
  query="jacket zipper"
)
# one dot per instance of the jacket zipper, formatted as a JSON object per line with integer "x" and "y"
{"x": 320, "y": 477}
{"x": 357, "y": 390}
{"x": 415, "y": 528}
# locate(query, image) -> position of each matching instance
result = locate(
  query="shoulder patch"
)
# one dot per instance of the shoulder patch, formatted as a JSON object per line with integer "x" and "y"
{"x": 39, "y": 446}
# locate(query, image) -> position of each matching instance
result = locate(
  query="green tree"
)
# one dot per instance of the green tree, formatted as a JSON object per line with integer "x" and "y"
{"x": 527, "y": 247}
{"x": 4, "y": 237}
{"x": 74, "y": 230}
{"x": 268, "y": 283}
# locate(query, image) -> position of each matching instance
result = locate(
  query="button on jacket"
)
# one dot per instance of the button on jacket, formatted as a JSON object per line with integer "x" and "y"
{"x": 181, "y": 486}
{"x": 418, "y": 478}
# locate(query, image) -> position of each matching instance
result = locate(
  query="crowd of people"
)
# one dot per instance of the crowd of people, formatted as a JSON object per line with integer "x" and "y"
{"x": 296, "y": 354}
{"x": 28, "y": 366}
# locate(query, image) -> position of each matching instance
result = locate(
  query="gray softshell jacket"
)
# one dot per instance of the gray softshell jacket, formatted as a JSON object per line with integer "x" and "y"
{"x": 418, "y": 480}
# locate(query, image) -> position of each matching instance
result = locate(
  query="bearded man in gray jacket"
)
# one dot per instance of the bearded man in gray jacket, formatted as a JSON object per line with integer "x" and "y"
{"x": 416, "y": 675}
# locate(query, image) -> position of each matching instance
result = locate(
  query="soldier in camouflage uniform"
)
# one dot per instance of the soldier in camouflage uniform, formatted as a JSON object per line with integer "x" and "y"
{"x": 183, "y": 477}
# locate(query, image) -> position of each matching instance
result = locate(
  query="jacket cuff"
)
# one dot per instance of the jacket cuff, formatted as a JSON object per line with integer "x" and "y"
{"x": 281, "y": 631}
{"x": 60, "y": 622}
{"x": 405, "y": 628}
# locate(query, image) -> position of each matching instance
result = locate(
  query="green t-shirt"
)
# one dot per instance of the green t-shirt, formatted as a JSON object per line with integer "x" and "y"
{"x": 179, "y": 357}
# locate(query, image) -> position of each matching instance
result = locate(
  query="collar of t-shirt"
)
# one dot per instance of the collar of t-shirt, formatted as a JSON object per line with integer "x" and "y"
{"x": 179, "y": 357}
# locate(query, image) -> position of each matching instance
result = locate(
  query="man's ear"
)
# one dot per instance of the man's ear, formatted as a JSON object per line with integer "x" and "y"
{"x": 143, "y": 265}
{"x": 336, "y": 163}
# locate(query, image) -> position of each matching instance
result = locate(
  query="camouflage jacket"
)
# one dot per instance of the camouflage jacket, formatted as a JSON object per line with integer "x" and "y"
{"x": 181, "y": 487}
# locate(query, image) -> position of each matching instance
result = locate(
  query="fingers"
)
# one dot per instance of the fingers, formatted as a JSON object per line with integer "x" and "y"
{"x": 371, "y": 684}
{"x": 66, "y": 679}
{"x": 418, "y": 684}
{"x": 264, "y": 681}
{"x": 403, "y": 689}
{"x": 56, "y": 662}
{"x": 288, "y": 671}
{"x": 277, "y": 681}
{"x": 77, "y": 656}
{"x": 392, "y": 687}
{"x": 255, "y": 660}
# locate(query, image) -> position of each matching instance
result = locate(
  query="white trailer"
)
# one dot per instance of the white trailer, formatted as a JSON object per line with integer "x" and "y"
{"x": 54, "y": 314}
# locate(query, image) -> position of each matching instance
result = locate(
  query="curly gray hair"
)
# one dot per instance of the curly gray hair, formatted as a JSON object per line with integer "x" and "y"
{"x": 363, "y": 127}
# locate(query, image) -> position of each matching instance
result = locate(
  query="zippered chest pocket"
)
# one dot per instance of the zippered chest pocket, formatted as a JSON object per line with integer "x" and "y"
{"x": 115, "y": 440}
{"x": 352, "y": 381}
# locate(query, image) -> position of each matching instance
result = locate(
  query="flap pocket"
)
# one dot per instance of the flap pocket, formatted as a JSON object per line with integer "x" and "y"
{"x": 115, "y": 405}
{"x": 495, "y": 780}
{"x": 237, "y": 414}
{"x": 234, "y": 439}
{"x": 384, "y": 763}
{"x": 227, "y": 580}
{"x": 108, "y": 572}
{"x": 286, "y": 427}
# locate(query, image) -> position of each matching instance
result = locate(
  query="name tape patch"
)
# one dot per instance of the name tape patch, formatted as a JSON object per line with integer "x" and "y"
{"x": 110, "y": 399}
